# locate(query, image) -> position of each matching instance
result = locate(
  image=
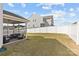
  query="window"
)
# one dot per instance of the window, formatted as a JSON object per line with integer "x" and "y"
{"x": 33, "y": 25}
{"x": 42, "y": 25}
{"x": 34, "y": 20}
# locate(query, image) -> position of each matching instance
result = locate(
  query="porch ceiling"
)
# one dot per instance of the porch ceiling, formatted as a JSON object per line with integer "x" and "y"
{"x": 11, "y": 18}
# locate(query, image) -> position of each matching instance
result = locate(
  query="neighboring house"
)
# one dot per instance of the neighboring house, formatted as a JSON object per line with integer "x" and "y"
{"x": 36, "y": 21}
{"x": 75, "y": 23}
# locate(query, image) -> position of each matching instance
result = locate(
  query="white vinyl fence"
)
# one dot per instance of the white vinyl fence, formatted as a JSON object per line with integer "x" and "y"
{"x": 71, "y": 30}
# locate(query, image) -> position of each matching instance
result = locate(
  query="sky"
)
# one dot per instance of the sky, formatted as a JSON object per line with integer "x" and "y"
{"x": 63, "y": 13}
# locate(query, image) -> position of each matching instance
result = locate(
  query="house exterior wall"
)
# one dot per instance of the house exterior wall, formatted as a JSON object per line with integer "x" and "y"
{"x": 48, "y": 21}
{"x": 1, "y": 26}
{"x": 36, "y": 21}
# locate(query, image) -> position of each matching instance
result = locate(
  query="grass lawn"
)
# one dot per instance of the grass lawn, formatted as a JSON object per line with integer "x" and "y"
{"x": 37, "y": 46}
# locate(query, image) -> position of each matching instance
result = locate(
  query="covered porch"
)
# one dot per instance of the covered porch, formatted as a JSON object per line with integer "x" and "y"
{"x": 8, "y": 23}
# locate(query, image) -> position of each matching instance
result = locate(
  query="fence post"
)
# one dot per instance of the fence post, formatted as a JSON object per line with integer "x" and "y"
{"x": 77, "y": 42}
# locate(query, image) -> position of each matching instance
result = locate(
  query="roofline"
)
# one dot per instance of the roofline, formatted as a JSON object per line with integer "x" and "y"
{"x": 13, "y": 14}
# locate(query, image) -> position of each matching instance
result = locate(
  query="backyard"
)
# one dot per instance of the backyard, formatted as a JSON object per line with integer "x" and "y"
{"x": 38, "y": 45}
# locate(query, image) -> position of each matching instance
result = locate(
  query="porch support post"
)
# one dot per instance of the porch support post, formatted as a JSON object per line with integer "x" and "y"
{"x": 1, "y": 26}
{"x": 13, "y": 28}
{"x": 18, "y": 28}
{"x": 26, "y": 30}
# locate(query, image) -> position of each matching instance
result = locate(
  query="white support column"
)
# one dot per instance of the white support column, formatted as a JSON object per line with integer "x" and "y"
{"x": 13, "y": 29}
{"x": 18, "y": 28}
{"x": 7, "y": 29}
{"x": 26, "y": 29}
{"x": 1, "y": 26}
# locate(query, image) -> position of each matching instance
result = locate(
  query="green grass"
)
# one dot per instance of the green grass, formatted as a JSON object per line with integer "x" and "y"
{"x": 37, "y": 46}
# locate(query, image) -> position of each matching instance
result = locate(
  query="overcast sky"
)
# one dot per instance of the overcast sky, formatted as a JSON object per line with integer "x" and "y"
{"x": 64, "y": 13}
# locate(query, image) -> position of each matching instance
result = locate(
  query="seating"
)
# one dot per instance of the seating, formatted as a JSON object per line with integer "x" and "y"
{"x": 6, "y": 39}
{"x": 17, "y": 36}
